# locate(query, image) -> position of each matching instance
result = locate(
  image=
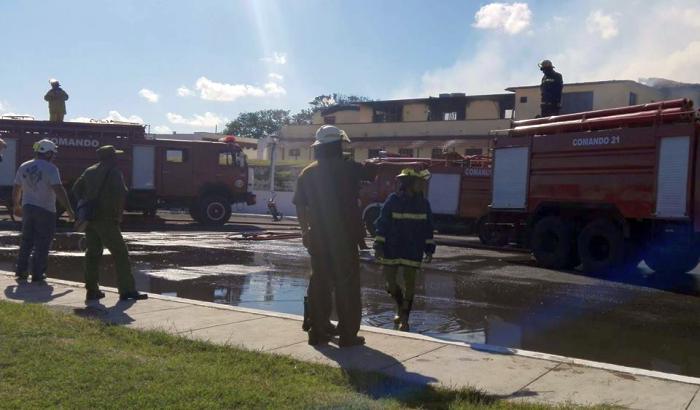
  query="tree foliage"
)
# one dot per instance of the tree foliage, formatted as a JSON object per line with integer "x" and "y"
{"x": 258, "y": 124}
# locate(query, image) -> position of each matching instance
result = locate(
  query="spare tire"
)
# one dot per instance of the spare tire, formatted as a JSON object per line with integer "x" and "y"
{"x": 214, "y": 210}
{"x": 601, "y": 246}
{"x": 553, "y": 243}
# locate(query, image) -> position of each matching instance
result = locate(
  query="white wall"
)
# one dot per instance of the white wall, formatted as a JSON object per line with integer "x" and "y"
{"x": 283, "y": 201}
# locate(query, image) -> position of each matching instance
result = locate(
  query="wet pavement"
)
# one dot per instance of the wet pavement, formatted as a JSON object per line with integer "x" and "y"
{"x": 471, "y": 295}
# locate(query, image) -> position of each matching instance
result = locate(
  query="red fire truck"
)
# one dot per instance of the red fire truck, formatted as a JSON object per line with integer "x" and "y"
{"x": 603, "y": 189}
{"x": 205, "y": 177}
{"x": 459, "y": 192}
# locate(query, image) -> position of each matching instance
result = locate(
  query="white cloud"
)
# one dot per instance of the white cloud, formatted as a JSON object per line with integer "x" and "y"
{"x": 162, "y": 129}
{"x": 276, "y": 58}
{"x": 208, "y": 120}
{"x": 113, "y": 115}
{"x": 509, "y": 17}
{"x": 601, "y": 24}
{"x": 276, "y": 77}
{"x": 213, "y": 91}
{"x": 274, "y": 89}
{"x": 149, "y": 95}
{"x": 655, "y": 41}
{"x": 183, "y": 91}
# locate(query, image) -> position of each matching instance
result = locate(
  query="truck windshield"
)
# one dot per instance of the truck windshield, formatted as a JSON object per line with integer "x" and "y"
{"x": 232, "y": 158}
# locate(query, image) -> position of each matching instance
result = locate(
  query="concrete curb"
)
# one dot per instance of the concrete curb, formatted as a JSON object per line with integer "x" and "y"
{"x": 477, "y": 347}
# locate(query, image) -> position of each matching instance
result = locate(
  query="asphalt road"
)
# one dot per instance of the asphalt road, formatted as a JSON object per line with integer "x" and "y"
{"x": 469, "y": 294}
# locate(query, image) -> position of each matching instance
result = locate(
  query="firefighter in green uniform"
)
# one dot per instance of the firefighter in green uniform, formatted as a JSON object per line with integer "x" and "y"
{"x": 326, "y": 200}
{"x": 102, "y": 187}
{"x": 404, "y": 235}
{"x": 56, "y": 98}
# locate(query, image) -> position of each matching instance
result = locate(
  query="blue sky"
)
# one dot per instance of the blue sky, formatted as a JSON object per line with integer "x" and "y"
{"x": 127, "y": 59}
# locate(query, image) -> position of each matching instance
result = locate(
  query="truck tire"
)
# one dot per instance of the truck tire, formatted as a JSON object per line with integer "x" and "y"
{"x": 553, "y": 243}
{"x": 673, "y": 262}
{"x": 488, "y": 235}
{"x": 214, "y": 210}
{"x": 370, "y": 216}
{"x": 601, "y": 247}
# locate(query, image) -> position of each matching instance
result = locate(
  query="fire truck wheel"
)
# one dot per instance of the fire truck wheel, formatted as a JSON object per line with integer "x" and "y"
{"x": 601, "y": 246}
{"x": 215, "y": 210}
{"x": 673, "y": 262}
{"x": 553, "y": 243}
{"x": 370, "y": 216}
{"x": 489, "y": 235}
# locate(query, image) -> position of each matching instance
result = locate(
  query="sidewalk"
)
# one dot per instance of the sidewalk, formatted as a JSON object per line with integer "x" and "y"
{"x": 507, "y": 373}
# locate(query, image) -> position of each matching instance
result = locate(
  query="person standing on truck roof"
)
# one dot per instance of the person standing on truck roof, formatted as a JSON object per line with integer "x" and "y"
{"x": 550, "y": 89}
{"x": 102, "y": 191}
{"x": 404, "y": 235}
{"x": 56, "y": 98}
{"x": 326, "y": 200}
{"x": 3, "y": 145}
{"x": 37, "y": 186}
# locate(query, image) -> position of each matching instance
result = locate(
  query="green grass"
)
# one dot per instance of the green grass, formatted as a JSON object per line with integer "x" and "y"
{"x": 54, "y": 359}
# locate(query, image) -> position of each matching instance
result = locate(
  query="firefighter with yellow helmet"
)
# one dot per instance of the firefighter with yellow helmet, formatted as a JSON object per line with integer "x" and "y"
{"x": 404, "y": 236}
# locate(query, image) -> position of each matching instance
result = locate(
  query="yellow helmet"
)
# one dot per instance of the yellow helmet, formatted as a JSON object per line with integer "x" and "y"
{"x": 410, "y": 172}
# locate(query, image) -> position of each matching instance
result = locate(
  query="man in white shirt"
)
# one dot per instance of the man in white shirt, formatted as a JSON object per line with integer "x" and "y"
{"x": 37, "y": 186}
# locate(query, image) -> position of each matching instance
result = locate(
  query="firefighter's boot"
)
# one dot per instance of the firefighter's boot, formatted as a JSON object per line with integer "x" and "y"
{"x": 404, "y": 314}
{"x": 397, "y": 294}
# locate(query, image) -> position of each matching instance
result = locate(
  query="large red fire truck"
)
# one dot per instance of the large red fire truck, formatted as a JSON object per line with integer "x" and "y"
{"x": 459, "y": 191}
{"x": 604, "y": 189}
{"x": 204, "y": 176}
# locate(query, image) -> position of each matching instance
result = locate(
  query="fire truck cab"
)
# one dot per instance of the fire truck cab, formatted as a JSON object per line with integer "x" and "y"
{"x": 205, "y": 177}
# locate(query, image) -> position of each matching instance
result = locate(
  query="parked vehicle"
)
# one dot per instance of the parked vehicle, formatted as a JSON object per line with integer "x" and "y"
{"x": 602, "y": 189}
{"x": 459, "y": 192}
{"x": 205, "y": 177}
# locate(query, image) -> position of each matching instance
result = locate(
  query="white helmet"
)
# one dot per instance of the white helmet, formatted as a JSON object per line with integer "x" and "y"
{"x": 329, "y": 133}
{"x": 44, "y": 146}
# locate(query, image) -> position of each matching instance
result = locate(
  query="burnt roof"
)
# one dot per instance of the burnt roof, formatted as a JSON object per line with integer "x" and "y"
{"x": 582, "y": 83}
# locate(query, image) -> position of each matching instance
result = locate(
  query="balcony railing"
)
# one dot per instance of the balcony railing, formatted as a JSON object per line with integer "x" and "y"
{"x": 403, "y": 129}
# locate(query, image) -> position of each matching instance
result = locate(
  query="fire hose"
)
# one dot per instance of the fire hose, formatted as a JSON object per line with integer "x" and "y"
{"x": 263, "y": 236}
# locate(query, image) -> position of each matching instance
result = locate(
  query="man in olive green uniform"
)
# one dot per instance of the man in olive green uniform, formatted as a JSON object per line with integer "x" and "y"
{"x": 104, "y": 184}
{"x": 57, "y": 101}
{"x": 326, "y": 200}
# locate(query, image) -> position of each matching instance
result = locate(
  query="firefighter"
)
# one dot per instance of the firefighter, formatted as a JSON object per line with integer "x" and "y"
{"x": 326, "y": 200}
{"x": 404, "y": 235}
{"x": 101, "y": 187}
{"x": 37, "y": 187}
{"x": 550, "y": 89}
{"x": 3, "y": 145}
{"x": 56, "y": 98}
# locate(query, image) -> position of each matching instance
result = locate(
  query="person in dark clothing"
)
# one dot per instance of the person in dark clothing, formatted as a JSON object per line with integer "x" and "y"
{"x": 550, "y": 89}
{"x": 103, "y": 185}
{"x": 326, "y": 200}
{"x": 56, "y": 98}
{"x": 404, "y": 235}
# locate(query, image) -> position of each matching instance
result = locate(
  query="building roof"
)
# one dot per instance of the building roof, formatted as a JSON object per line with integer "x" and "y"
{"x": 513, "y": 89}
{"x": 340, "y": 107}
{"x": 451, "y": 96}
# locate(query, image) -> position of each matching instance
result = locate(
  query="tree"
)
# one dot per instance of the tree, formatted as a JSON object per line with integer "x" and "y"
{"x": 258, "y": 124}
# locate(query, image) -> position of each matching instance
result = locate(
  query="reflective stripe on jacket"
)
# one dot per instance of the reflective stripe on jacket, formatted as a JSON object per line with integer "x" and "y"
{"x": 405, "y": 230}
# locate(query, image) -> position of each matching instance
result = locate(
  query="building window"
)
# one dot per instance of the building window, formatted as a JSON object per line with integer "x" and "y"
{"x": 523, "y": 100}
{"x": 436, "y": 153}
{"x": 374, "y": 153}
{"x": 449, "y": 116}
{"x": 225, "y": 158}
{"x": 329, "y": 119}
{"x": 295, "y": 153}
{"x": 576, "y": 102}
{"x": 406, "y": 152}
{"x": 633, "y": 99}
{"x": 388, "y": 113}
{"x": 176, "y": 156}
{"x": 472, "y": 151}
{"x": 508, "y": 114}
